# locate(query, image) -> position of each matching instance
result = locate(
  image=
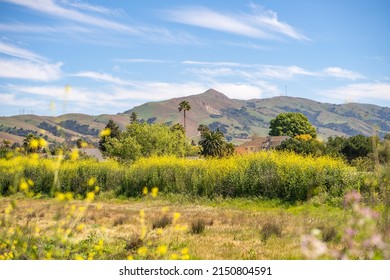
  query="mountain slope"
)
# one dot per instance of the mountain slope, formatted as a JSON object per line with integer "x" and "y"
{"x": 237, "y": 119}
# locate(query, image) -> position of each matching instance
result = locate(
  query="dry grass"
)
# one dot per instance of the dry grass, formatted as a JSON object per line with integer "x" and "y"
{"x": 233, "y": 232}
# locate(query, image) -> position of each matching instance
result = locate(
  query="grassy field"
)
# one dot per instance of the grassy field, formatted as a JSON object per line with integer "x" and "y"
{"x": 165, "y": 227}
{"x": 262, "y": 206}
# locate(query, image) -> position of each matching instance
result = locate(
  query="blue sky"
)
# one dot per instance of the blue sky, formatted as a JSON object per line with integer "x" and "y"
{"x": 95, "y": 57}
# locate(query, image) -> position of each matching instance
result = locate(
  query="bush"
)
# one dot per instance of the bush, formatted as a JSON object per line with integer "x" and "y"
{"x": 198, "y": 226}
{"x": 270, "y": 229}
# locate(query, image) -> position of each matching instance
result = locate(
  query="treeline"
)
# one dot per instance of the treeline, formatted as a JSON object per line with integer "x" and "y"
{"x": 54, "y": 129}
{"x": 80, "y": 128}
{"x": 361, "y": 151}
{"x": 20, "y": 131}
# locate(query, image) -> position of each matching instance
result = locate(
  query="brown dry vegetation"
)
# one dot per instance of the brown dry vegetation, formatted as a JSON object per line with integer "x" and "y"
{"x": 233, "y": 230}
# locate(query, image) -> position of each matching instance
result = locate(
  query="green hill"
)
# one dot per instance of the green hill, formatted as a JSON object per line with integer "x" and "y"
{"x": 237, "y": 119}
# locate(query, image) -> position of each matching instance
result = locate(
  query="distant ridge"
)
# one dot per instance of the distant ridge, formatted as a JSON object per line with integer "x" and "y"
{"x": 237, "y": 119}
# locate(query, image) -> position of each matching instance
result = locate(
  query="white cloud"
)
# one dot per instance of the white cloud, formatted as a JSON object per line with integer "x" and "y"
{"x": 268, "y": 19}
{"x": 88, "y": 7}
{"x": 257, "y": 71}
{"x": 16, "y": 51}
{"x": 11, "y": 99}
{"x": 102, "y": 77}
{"x": 29, "y": 70}
{"x": 50, "y": 7}
{"x": 216, "y": 63}
{"x": 342, "y": 73}
{"x": 141, "y": 60}
{"x": 206, "y": 18}
{"x": 360, "y": 92}
{"x": 239, "y": 90}
{"x": 260, "y": 24}
{"x": 283, "y": 72}
{"x": 54, "y": 9}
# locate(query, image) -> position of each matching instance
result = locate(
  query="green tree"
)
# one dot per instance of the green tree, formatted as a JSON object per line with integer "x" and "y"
{"x": 291, "y": 124}
{"x": 133, "y": 117}
{"x": 177, "y": 127}
{"x": 305, "y": 147}
{"x": 110, "y": 131}
{"x": 357, "y": 146}
{"x": 145, "y": 140}
{"x": 184, "y": 106}
{"x": 203, "y": 129}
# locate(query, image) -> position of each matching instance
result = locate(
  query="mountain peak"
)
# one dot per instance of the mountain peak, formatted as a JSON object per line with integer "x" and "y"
{"x": 215, "y": 93}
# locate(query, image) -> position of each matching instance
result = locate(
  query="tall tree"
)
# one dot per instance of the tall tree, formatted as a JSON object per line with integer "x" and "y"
{"x": 133, "y": 117}
{"x": 110, "y": 131}
{"x": 184, "y": 106}
{"x": 291, "y": 124}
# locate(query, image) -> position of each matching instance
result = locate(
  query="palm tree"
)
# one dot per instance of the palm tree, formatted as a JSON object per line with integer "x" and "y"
{"x": 184, "y": 106}
{"x": 212, "y": 143}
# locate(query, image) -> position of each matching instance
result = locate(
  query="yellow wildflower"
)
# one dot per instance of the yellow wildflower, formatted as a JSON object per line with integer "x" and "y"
{"x": 142, "y": 251}
{"x": 42, "y": 143}
{"x": 34, "y": 144}
{"x": 78, "y": 258}
{"x": 154, "y": 192}
{"x": 130, "y": 258}
{"x": 60, "y": 196}
{"x": 145, "y": 190}
{"x": 80, "y": 227}
{"x": 174, "y": 257}
{"x": 90, "y": 196}
{"x": 91, "y": 181}
{"x": 162, "y": 250}
{"x": 23, "y": 186}
{"x": 74, "y": 155}
{"x": 69, "y": 196}
{"x": 176, "y": 216}
{"x": 105, "y": 132}
{"x": 184, "y": 251}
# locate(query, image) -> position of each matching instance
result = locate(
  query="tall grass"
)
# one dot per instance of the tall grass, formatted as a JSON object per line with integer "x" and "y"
{"x": 50, "y": 175}
{"x": 281, "y": 175}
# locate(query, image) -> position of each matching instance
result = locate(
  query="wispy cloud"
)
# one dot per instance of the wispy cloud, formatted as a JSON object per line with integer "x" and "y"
{"x": 141, "y": 60}
{"x": 52, "y": 8}
{"x": 16, "y": 51}
{"x": 29, "y": 70}
{"x": 216, "y": 63}
{"x": 75, "y": 12}
{"x": 280, "y": 72}
{"x": 12, "y": 99}
{"x": 360, "y": 92}
{"x": 102, "y": 77}
{"x": 342, "y": 73}
{"x": 260, "y": 23}
{"x": 88, "y": 7}
{"x": 27, "y": 65}
{"x": 268, "y": 20}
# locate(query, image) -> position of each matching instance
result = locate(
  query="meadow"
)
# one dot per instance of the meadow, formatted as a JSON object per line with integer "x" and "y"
{"x": 269, "y": 205}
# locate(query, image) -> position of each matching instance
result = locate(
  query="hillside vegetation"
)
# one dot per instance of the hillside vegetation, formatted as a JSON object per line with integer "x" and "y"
{"x": 237, "y": 119}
